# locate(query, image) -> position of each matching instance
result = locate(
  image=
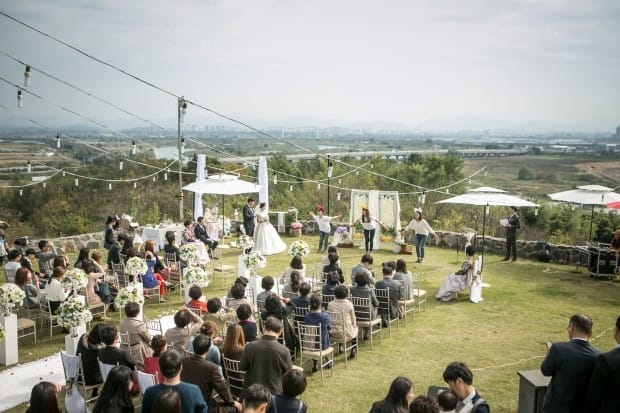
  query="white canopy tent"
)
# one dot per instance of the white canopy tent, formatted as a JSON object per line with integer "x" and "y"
{"x": 487, "y": 196}
{"x": 592, "y": 195}
{"x": 223, "y": 184}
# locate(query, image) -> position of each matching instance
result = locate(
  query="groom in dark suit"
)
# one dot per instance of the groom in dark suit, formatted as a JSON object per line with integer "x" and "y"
{"x": 248, "y": 217}
{"x": 604, "y": 391}
{"x": 570, "y": 366}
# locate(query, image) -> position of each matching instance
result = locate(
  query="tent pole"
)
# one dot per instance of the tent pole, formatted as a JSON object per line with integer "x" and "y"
{"x": 484, "y": 225}
{"x": 591, "y": 222}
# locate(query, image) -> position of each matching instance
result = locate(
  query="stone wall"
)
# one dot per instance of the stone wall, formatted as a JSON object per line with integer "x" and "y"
{"x": 564, "y": 254}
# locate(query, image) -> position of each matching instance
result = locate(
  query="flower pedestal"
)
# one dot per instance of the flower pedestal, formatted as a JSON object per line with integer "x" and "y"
{"x": 71, "y": 340}
{"x": 241, "y": 270}
{"x": 254, "y": 282}
{"x": 140, "y": 290}
{"x": 8, "y": 346}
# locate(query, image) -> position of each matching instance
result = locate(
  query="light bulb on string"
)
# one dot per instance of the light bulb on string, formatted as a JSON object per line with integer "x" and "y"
{"x": 44, "y": 184}
{"x": 318, "y": 186}
{"x": 275, "y": 178}
{"x": 154, "y": 178}
{"x": 469, "y": 181}
{"x": 135, "y": 184}
{"x": 77, "y": 182}
{"x": 372, "y": 166}
{"x": 29, "y": 167}
{"x": 165, "y": 176}
{"x": 536, "y": 211}
{"x": 20, "y": 99}
{"x": 110, "y": 186}
{"x": 357, "y": 173}
{"x": 339, "y": 181}
{"x": 134, "y": 148}
{"x": 120, "y": 165}
{"x": 182, "y": 146}
{"x": 63, "y": 173}
{"x": 58, "y": 141}
{"x": 182, "y": 109}
{"x": 487, "y": 209}
{"x": 447, "y": 190}
{"x": 290, "y": 188}
{"x": 330, "y": 170}
{"x": 21, "y": 192}
{"x": 423, "y": 198}
{"x": 485, "y": 171}
{"x": 27, "y": 76}
{"x": 338, "y": 195}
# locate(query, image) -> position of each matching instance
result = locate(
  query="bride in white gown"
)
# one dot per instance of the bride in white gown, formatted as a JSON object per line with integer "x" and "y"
{"x": 266, "y": 238}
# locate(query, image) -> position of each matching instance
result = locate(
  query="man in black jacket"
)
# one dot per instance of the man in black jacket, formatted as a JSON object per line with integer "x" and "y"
{"x": 570, "y": 366}
{"x": 604, "y": 391}
{"x": 511, "y": 234}
{"x": 200, "y": 230}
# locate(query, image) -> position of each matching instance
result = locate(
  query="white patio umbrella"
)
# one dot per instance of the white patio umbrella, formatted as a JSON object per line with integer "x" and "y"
{"x": 223, "y": 184}
{"x": 487, "y": 196}
{"x": 593, "y": 195}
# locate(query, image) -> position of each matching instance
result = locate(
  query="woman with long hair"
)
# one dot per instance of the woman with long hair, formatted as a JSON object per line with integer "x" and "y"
{"x": 398, "y": 398}
{"x": 152, "y": 278}
{"x": 43, "y": 398}
{"x": 82, "y": 256}
{"x": 406, "y": 280}
{"x": 116, "y": 393}
{"x": 422, "y": 230}
{"x": 369, "y": 223}
{"x": 151, "y": 364}
{"x": 292, "y": 286}
{"x": 234, "y": 343}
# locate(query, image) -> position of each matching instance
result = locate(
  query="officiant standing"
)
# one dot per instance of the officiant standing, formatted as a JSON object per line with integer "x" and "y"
{"x": 512, "y": 225}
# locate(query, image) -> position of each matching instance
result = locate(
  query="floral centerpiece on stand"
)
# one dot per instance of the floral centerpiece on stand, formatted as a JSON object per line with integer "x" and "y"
{"x": 195, "y": 276}
{"x": 10, "y": 296}
{"x": 74, "y": 279}
{"x": 244, "y": 242}
{"x": 188, "y": 252}
{"x": 254, "y": 260}
{"x": 73, "y": 313}
{"x": 135, "y": 266}
{"x": 299, "y": 248}
{"x": 128, "y": 294}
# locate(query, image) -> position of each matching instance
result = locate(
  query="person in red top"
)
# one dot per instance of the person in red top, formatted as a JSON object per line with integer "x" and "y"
{"x": 195, "y": 293}
{"x": 151, "y": 364}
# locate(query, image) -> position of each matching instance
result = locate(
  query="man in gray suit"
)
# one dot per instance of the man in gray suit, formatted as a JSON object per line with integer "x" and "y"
{"x": 570, "y": 366}
{"x": 604, "y": 391}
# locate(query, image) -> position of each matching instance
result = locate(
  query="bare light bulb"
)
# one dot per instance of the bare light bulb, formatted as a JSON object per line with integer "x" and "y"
{"x": 135, "y": 184}
{"x": 77, "y": 182}
{"x": 29, "y": 167}
{"x": 21, "y": 192}
{"x": 58, "y": 141}
{"x": 338, "y": 195}
{"x": 27, "y": 76}
{"x": 120, "y": 165}
{"x": 134, "y": 148}
{"x": 110, "y": 186}
{"x": 182, "y": 146}
{"x": 20, "y": 99}
{"x": 275, "y": 178}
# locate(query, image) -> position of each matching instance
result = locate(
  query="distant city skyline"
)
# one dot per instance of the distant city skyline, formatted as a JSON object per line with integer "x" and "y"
{"x": 448, "y": 65}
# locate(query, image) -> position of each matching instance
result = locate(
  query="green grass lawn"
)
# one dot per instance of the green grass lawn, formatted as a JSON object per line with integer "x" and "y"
{"x": 528, "y": 304}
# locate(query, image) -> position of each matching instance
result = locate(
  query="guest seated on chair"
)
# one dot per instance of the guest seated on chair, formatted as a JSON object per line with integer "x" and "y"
{"x": 280, "y": 308}
{"x": 111, "y": 354}
{"x": 218, "y": 315}
{"x": 296, "y": 264}
{"x": 238, "y": 293}
{"x": 365, "y": 267}
{"x": 362, "y": 289}
{"x": 460, "y": 280}
{"x": 171, "y": 248}
{"x": 14, "y": 262}
{"x": 151, "y": 279}
{"x": 54, "y": 292}
{"x": 332, "y": 281}
{"x": 292, "y": 286}
{"x": 188, "y": 232}
{"x": 293, "y": 384}
{"x": 151, "y": 364}
{"x": 266, "y": 284}
{"x": 333, "y": 267}
{"x": 200, "y": 231}
{"x": 318, "y": 317}
{"x": 23, "y": 279}
{"x": 332, "y": 249}
{"x": 250, "y": 329}
{"x": 303, "y": 301}
{"x": 179, "y": 335}
{"x": 139, "y": 337}
{"x": 88, "y": 348}
{"x": 346, "y": 330}
{"x": 197, "y": 301}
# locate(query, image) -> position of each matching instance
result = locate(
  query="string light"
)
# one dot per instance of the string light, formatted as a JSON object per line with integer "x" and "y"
{"x": 485, "y": 171}
{"x": 27, "y": 76}
{"x": 20, "y": 99}
{"x": 21, "y": 192}
{"x": 318, "y": 186}
{"x": 338, "y": 195}
{"x": 58, "y": 141}
{"x": 182, "y": 146}
{"x": 63, "y": 173}
{"x": 154, "y": 179}
{"x": 183, "y": 109}
{"x": 487, "y": 209}
{"x": 110, "y": 186}
{"x": 330, "y": 169}
{"x": 290, "y": 188}
{"x": 134, "y": 148}
{"x": 357, "y": 173}
{"x": 120, "y": 165}
{"x": 469, "y": 181}
{"x": 536, "y": 211}
{"x": 165, "y": 176}
{"x": 29, "y": 167}
{"x": 77, "y": 182}
{"x": 275, "y": 178}
{"x": 44, "y": 184}
{"x": 135, "y": 184}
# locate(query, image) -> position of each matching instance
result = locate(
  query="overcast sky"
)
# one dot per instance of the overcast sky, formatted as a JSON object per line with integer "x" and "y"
{"x": 437, "y": 64}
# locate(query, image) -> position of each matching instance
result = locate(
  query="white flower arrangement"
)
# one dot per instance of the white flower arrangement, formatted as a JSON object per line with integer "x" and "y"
{"x": 1, "y": 332}
{"x": 299, "y": 248}
{"x": 10, "y": 296}
{"x": 73, "y": 312}
{"x": 188, "y": 252}
{"x": 135, "y": 266}
{"x": 245, "y": 242}
{"x": 254, "y": 260}
{"x": 128, "y": 294}
{"x": 74, "y": 279}
{"x": 195, "y": 276}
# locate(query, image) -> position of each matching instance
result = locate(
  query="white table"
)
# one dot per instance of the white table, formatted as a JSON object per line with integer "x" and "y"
{"x": 159, "y": 234}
